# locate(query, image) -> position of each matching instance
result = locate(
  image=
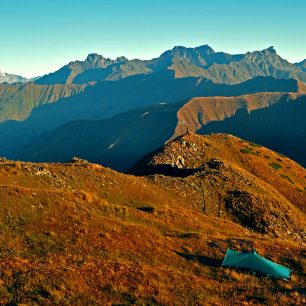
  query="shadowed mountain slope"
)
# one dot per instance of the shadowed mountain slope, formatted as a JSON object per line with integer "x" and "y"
{"x": 280, "y": 127}
{"x": 120, "y": 141}
{"x": 106, "y": 99}
{"x": 117, "y": 142}
{"x": 18, "y": 101}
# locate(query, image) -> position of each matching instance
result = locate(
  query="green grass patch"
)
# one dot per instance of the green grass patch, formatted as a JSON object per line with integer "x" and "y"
{"x": 275, "y": 166}
{"x": 248, "y": 150}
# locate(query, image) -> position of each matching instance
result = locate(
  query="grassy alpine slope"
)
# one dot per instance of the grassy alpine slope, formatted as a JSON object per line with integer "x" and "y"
{"x": 78, "y": 233}
{"x": 18, "y": 101}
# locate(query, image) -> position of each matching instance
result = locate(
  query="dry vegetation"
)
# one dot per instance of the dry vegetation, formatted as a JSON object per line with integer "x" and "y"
{"x": 81, "y": 234}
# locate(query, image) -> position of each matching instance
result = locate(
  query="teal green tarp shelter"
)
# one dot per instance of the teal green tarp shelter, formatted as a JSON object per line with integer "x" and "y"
{"x": 253, "y": 261}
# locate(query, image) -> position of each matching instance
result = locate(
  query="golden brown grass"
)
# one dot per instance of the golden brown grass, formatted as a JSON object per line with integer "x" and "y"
{"x": 73, "y": 234}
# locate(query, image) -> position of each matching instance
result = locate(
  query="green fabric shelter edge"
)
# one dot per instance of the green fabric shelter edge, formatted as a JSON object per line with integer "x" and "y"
{"x": 253, "y": 261}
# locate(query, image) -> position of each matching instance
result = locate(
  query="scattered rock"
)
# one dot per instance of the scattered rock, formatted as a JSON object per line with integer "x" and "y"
{"x": 77, "y": 160}
{"x": 42, "y": 171}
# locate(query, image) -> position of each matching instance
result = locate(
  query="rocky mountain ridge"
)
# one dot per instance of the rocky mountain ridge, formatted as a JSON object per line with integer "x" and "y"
{"x": 12, "y": 78}
{"x": 218, "y": 67}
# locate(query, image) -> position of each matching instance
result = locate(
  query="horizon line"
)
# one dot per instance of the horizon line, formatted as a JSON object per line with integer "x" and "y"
{"x": 130, "y": 58}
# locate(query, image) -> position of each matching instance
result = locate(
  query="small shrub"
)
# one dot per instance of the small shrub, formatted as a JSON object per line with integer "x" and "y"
{"x": 286, "y": 177}
{"x": 248, "y": 150}
{"x": 275, "y": 166}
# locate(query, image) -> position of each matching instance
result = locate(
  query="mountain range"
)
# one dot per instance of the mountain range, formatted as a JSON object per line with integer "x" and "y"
{"x": 12, "y": 78}
{"x": 203, "y": 61}
{"x": 118, "y": 142}
{"x": 115, "y": 111}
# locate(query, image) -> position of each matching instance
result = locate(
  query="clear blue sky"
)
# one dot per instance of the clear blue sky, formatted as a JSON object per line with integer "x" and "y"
{"x": 39, "y": 36}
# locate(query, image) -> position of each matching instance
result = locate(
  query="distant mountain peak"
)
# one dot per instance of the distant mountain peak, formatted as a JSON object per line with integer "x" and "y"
{"x": 203, "y": 48}
{"x": 208, "y": 49}
{"x": 121, "y": 59}
{"x": 271, "y": 49}
{"x": 265, "y": 54}
{"x": 93, "y": 57}
{"x": 11, "y": 78}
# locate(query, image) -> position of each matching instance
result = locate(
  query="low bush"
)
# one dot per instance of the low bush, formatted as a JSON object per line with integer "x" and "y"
{"x": 275, "y": 166}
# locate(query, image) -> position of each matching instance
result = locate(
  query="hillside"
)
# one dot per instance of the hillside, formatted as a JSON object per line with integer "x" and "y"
{"x": 279, "y": 127}
{"x": 110, "y": 98}
{"x": 107, "y": 99}
{"x": 78, "y": 233}
{"x": 119, "y": 142}
{"x": 231, "y": 164}
{"x": 17, "y": 101}
{"x": 219, "y": 67}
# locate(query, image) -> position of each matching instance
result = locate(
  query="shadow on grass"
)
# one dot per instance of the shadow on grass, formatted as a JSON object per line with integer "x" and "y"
{"x": 203, "y": 260}
{"x": 300, "y": 290}
{"x": 169, "y": 170}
